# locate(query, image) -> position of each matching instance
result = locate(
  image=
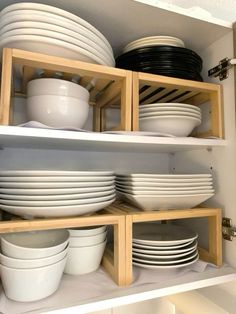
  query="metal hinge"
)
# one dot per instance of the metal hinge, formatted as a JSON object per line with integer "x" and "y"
{"x": 222, "y": 69}
{"x": 228, "y": 231}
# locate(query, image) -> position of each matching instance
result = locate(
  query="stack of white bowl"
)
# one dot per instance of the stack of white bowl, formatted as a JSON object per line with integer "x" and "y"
{"x": 165, "y": 191}
{"x": 86, "y": 248}
{"x": 46, "y": 29}
{"x": 32, "y": 263}
{"x": 170, "y": 118}
{"x": 45, "y": 193}
{"x": 57, "y": 103}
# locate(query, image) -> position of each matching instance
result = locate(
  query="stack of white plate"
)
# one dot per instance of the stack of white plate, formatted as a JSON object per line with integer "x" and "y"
{"x": 86, "y": 248}
{"x": 55, "y": 193}
{"x": 165, "y": 191}
{"x": 32, "y": 263}
{"x": 154, "y": 41}
{"x": 163, "y": 246}
{"x": 173, "y": 118}
{"x": 50, "y": 30}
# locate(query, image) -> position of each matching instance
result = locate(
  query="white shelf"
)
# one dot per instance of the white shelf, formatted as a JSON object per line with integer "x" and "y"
{"x": 96, "y": 291}
{"x": 23, "y": 137}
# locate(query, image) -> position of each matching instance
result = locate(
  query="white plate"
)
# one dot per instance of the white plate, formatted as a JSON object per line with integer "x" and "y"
{"x": 53, "y": 185}
{"x": 139, "y": 133}
{"x": 64, "y": 38}
{"x": 168, "y": 176}
{"x": 166, "y": 262}
{"x": 57, "y": 179}
{"x": 24, "y": 173}
{"x": 143, "y": 190}
{"x": 147, "y": 203}
{"x": 42, "y": 8}
{"x": 36, "y": 17}
{"x": 168, "y": 108}
{"x": 164, "y": 105}
{"x": 56, "y": 192}
{"x": 173, "y": 180}
{"x": 149, "y": 266}
{"x": 163, "y": 257}
{"x": 56, "y": 211}
{"x": 154, "y": 185}
{"x": 162, "y": 234}
{"x": 166, "y": 251}
{"x": 170, "y": 113}
{"x": 151, "y": 193}
{"x": 63, "y": 30}
{"x": 49, "y": 46}
{"x": 37, "y": 203}
{"x": 55, "y": 197}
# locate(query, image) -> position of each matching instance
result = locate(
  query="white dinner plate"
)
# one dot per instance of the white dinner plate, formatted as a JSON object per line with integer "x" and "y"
{"x": 170, "y": 113}
{"x": 164, "y": 250}
{"x": 173, "y": 180}
{"x": 54, "y": 191}
{"x": 53, "y": 185}
{"x": 49, "y": 46}
{"x": 57, "y": 179}
{"x": 166, "y": 262}
{"x": 94, "y": 43}
{"x": 59, "y": 13}
{"x": 164, "y": 105}
{"x": 161, "y": 234}
{"x": 55, "y": 197}
{"x": 56, "y": 211}
{"x": 156, "y": 202}
{"x": 163, "y": 176}
{"x": 36, "y": 17}
{"x": 24, "y": 173}
{"x": 177, "y": 265}
{"x": 151, "y": 193}
{"x": 64, "y": 38}
{"x": 163, "y": 257}
{"x": 38, "y": 203}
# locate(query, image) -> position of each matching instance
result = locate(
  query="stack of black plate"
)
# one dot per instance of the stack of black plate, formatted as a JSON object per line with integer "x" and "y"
{"x": 163, "y": 60}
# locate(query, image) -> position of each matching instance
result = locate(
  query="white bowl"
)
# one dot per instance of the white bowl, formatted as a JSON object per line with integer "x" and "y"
{"x": 87, "y": 231}
{"x": 34, "y": 244}
{"x": 87, "y": 241}
{"x": 174, "y": 125}
{"x": 27, "y": 285}
{"x": 57, "y": 111}
{"x": 84, "y": 260}
{"x": 148, "y": 107}
{"x": 52, "y": 86}
{"x": 171, "y": 113}
{"x": 32, "y": 263}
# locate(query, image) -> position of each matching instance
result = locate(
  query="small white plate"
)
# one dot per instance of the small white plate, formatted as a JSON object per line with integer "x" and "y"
{"x": 154, "y": 185}
{"x": 161, "y": 257}
{"x": 57, "y": 179}
{"x": 164, "y": 176}
{"x": 47, "y": 173}
{"x": 163, "y": 179}
{"x": 150, "y": 266}
{"x": 162, "y": 234}
{"x": 145, "y": 190}
{"x": 162, "y": 193}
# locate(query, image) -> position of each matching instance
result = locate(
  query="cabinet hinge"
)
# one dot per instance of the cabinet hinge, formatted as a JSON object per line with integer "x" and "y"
{"x": 228, "y": 231}
{"x": 222, "y": 69}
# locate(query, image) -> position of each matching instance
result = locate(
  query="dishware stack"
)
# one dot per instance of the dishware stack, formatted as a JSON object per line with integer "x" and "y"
{"x": 86, "y": 248}
{"x": 45, "y": 193}
{"x": 172, "y": 118}
{"x": 164, "y": 191}
{"x": 32, "y": 263}
{"x": 163, "y": 55}
{"x": 47, "y": 29}
{"x": 57, "y": 103}
{"x": 163, "y": 246}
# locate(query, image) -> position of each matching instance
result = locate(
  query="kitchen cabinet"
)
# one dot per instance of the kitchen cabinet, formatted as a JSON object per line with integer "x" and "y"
{"x": 23, "y": 148}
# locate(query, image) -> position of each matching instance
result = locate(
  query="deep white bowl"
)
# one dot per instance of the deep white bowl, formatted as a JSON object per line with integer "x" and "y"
{"x": 27, "y": 285}
{"x": 87, "y": 241}
{"x": 84, "y": 260}
{"x": 32, "y": 263}
{"x": 57, "y": 111}
{"x": 52, "y": 86}
{"x": 87, "y": 231}
{"x": 174, "y": 125}
{"x": 34, "y": 244}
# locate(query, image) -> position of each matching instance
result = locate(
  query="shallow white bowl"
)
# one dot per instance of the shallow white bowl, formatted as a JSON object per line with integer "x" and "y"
{"x": 174, "y": 125}
{"x": 57, "y": 111}
{"x": 171, "y": 113}
{"x": 87, "y": 231}
{"x": 52, "y": 86}
{"x": 34, "y": 244}
{"x": 84, "y": 260}
{"x": 148, "y": 107}
{"x": 32, "y": 263}
{"x": 87, "y": 241}
{"x": 27, "y": 285}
